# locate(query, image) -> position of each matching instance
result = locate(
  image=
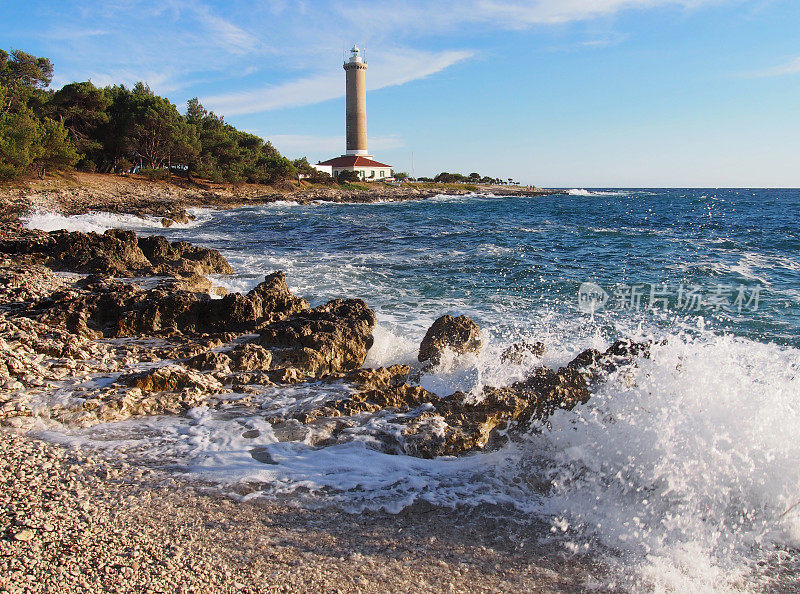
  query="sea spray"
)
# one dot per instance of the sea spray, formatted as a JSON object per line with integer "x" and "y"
{"x": 681, "y": 470}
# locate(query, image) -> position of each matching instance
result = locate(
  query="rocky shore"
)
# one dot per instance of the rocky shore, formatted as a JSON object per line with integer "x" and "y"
{"x": 163, "y": 344}
{"x": 87, "y": 192}
{"x": 101, "y": 328}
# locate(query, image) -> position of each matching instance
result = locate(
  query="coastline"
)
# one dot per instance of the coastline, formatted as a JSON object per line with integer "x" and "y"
{"x": 76, "y": 520}
{"x": 80, "y": 193}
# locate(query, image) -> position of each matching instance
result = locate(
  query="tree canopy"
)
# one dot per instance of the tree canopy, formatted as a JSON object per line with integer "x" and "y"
{"x": 117, "y": 129}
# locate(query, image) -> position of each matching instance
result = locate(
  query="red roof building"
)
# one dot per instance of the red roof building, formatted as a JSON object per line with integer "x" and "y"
{"x": 367, "y": 169}
{"x": 352, "y": 161}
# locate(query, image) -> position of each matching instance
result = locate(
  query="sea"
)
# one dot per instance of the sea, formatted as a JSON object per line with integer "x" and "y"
{"x": 682, "y": 472}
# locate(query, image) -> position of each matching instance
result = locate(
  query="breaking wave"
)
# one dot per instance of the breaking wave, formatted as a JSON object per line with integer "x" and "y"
{"x": 682, "y": 471}
{"x": 100, "y": 222}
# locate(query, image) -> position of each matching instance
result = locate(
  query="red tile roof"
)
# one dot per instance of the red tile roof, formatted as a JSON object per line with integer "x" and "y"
{"x": 352, "y": 161}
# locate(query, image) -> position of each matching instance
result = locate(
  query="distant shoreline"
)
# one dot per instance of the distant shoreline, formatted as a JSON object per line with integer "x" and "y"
{"x": 80, "y": 193}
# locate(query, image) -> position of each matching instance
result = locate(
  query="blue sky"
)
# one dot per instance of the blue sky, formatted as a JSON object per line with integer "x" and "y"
{"x": 575, "y": 93}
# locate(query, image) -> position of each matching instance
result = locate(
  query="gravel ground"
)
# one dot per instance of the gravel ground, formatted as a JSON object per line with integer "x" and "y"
{"x": 72, "y": 522}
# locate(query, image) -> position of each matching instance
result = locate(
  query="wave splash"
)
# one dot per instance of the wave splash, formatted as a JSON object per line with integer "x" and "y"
{"x": 687, "y": 463}
{"x": 682, "y": 467}
{"x": 99, "y": 222}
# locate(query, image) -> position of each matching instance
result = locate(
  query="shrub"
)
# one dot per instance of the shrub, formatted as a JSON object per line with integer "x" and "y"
{"x": 154, "y": 174}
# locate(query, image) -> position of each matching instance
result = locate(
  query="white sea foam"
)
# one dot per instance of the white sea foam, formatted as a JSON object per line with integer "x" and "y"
{"x": 687, "y": 464}
{"x": 680, "y": 469}
{"x": 596, "y": 193}
{"x": 102, "y": 221}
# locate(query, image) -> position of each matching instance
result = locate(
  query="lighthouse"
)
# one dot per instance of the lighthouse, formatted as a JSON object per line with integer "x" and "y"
{"x": 356, "y": 157}
{"x": 356, "y": 119}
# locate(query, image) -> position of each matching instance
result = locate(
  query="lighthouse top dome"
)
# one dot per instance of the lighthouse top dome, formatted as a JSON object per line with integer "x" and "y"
{"x": 355, "y": 54}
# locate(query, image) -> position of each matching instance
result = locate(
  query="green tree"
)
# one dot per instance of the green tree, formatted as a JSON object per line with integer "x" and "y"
{"x": 21, "y": 74}
{"x": 158, "y": 133}
{"x": 303, "y": 166}
{"x": 82, "y": 108}
{"x": 54, "y": 151}
{"x": 219, "y": 156}
{"x": 348, "y": 176}
{"x": 19, "y": 136}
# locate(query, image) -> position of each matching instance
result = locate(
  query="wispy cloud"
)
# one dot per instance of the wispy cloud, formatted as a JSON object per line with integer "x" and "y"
{"x": 451, "y": 14}
{"x": 234, "y": 38}
{"x": 169, "y": 44}
{"x": 787, "y": 68}
{"x": 176, "y": 44}
{"x": 396, "y": 68}
{"x": 519, "y": 14}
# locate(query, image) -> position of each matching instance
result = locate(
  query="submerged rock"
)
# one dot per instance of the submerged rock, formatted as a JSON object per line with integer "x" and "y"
{"x": 460, "y": 335}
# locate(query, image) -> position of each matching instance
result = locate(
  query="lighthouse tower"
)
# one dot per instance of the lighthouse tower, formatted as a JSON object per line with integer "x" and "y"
{"x": 356, "y": 158}
{"x": 355, "y": 69}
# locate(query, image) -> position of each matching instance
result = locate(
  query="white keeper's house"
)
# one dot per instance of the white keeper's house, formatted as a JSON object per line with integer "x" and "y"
{"x": 357, "y": 157}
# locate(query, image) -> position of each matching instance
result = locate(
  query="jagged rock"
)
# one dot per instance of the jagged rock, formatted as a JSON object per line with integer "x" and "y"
{"x": 194, "y": 283}
{"x": 125, "y": 403}
{"x": 210, "y": 361}
{"x": 466, "y": 425}
{"x": 374, "y": 379}
{"x": 21, "y": 283}
{"x": 181, "y": 257}
{"x": 593, "y": 364}
{"x": 115, "y": 252}
{"x": 171, "y": 379}
{"x": 469, "y": 424}
{"x": 250, "y": 357}
{"x": 460, "y": 335}
{"x": 519, "y": 351}
{"x": 402, "y": 397}
{"x": 122, "y": 309}
{"x": 328, "y": 339}
{"x": 287, "y": 375}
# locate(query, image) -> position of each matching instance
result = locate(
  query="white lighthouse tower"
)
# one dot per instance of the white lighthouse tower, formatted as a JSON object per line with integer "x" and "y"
{"x": 356, "y": 114}
{"x": 356, "y": 157}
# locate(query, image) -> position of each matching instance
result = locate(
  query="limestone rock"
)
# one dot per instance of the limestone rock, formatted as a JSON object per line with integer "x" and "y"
{"x": 519, "y": 351}
{"x": 460, "y": 335}
{"x": 116, "y": 309}
{"x": 179, "y": 256}
{"x": 250, "y": 357}
{"x": 171, "y": 379}
{"x": 210, "y": 361}
{"x": 328, "y": 339}
{"x": 593, "y": 364}
{"x": 115, "y": 252}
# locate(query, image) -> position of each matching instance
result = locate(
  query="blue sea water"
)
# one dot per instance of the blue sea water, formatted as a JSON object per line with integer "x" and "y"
{"x": 687, "y": 465}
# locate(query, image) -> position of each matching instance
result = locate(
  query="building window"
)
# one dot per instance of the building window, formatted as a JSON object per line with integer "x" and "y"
{"x": 382, "y": 172}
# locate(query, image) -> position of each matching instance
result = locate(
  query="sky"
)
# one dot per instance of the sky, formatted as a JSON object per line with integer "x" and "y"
{"x": 557, "y": 93}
